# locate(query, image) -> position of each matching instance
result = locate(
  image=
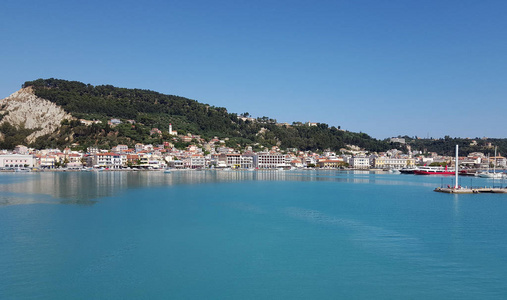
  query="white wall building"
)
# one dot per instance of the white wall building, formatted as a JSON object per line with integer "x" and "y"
{"x": 197, "y": 162}
{"x": 139, "y": 147}
{"x": 20, "y": 149}
{"x": 120, "y": 148}
{"x": 500, "y": 161}
{"x": 106, "y": 160}
{"x": 176, "y": 164}
{"x": 46, "y": 161}
{"x": 16, "y": 161}
{"x": 237, "y": 161}
{"x": 74, "y": 161}
{"x": 268, "y": 161}
{"x": 359, "y": 162}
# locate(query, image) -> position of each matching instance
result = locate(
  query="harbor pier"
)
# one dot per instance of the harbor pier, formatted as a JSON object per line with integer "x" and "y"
{"x": 466, "y": 190}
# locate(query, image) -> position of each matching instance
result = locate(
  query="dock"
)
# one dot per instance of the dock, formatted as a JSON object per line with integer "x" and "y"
{"x": 478, "y": 190}
{"x": 458, "y": 189}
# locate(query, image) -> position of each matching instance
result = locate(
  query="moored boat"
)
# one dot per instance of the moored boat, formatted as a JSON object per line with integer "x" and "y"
{"x": 433, "y": 171}
{"x": 408, "y": 170}
{"x": 494, "y": 175}
{"x": 490, "y": 175}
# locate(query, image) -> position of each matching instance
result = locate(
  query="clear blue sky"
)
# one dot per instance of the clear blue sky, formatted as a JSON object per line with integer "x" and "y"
{"x": 385, "y": 68}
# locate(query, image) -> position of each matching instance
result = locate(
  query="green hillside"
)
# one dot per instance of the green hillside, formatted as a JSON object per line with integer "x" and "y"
{"x": 447, "y": 145}
{"x": 150, "y": 109}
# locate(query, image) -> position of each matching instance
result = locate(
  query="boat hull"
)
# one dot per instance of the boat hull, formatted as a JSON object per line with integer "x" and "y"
{"x": 421, "y": 172}
{"x": 491, "y": 175}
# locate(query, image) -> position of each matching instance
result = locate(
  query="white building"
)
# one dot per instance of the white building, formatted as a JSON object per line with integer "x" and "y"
{"x": 106, "y": 160}
{"x": 74, "y": 161}
{"x": 425, "y": 160}
{"x": 237, "y": 161}
{"x": 171, "y": 131}
{"x": 114, "y": 121}
{"x": 46, "y": 161}
{"x": 16, "y": 161}
{"x": 120, "y": 148}
{"x": 150, "y": 161}
{"x": 268, "y": 161}
{"x": 308, "y": 160}
{"x": 500, "y": 161}
{"x": 398, "y": 140}
{"x": 197, "y": 162}
{"x": 139, "y": 147}
{"x": 20, "y": 149}
{"x": 176, "y": 164}
{"x": 359, "y": 162}
{"x": 92, "y": 150}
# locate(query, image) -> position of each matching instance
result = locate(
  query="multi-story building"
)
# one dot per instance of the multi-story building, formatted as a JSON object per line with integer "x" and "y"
{"x": 331, "y": 163}
{"x": 20, "y": 149}
{"x": 131, "y": 159}
{"x": 237, "y": 161}
{"x": 46, "y": 161}
{"x": 120, "y": 148}
{"x": 176, "y": 164}
{"x": 398, "y": 140}
{"x": 92, "y": 150}
{"x": 16, "y": 161}
{"x": 470, "y": 161}
{"x": 74, "y": 161}
{"x": 197, "y": 162}
{"x": 268, "y": 160}
{"x": 385, "y": 162}
{"x": 499, "y": 161}
{"x": 106, "y": 160}
{"x": 186, "y": 138}
{"x": 150, "y": 161}
{"x": 308, "y": 160}
{"x": 139, "y": 147}
{"x": 359, "y": 162}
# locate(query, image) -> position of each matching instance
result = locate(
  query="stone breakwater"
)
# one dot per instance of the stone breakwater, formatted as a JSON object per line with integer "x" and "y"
{"x": 24, "y": 108}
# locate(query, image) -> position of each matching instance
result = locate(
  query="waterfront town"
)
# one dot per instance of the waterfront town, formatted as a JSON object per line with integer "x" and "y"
{"x": 213, "y": 154}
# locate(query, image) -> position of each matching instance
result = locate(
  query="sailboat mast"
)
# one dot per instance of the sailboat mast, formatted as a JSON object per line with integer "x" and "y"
{"x": 456, "y": 168}
{"x": 494, "y": 164}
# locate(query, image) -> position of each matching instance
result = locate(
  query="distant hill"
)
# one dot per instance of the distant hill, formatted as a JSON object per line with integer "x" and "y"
{"x": 141, "y": 110}
{"x": 447, "y": 145}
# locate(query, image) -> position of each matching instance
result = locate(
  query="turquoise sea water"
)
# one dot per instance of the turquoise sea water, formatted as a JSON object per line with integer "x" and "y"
{"x": 248, "y": 235}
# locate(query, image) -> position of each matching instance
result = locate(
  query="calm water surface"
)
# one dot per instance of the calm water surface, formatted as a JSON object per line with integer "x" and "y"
{"x": 248, "y": 235}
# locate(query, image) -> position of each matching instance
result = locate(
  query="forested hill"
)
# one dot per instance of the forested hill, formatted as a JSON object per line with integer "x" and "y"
{"x": 144, "y": 106}
{"x": 447, "y": 145}
{"x": 150, "y": 109}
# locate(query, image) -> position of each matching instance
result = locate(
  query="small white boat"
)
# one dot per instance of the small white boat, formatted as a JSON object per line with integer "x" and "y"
{"x": 490, "y": 175}
{"x": 487, "y": 174}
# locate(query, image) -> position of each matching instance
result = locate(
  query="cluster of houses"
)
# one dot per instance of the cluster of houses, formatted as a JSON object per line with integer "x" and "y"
{"x": 214, "y": 154}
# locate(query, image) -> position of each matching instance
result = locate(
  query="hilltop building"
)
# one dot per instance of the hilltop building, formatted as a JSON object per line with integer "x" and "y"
{"x": 171, "y": 131}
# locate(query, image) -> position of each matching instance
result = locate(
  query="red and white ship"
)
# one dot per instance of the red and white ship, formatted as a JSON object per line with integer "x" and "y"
{"x": 433, "y": 171}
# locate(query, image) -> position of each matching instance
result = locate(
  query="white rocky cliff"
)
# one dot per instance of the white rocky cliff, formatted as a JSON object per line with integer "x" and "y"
{"x": 24, "y": 108}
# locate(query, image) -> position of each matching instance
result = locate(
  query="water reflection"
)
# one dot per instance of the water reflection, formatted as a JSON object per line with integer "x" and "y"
{"x": 83, "y": 187}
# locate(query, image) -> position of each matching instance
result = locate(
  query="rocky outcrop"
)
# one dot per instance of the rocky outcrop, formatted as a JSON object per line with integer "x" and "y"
{"x": 23, "y": 108}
